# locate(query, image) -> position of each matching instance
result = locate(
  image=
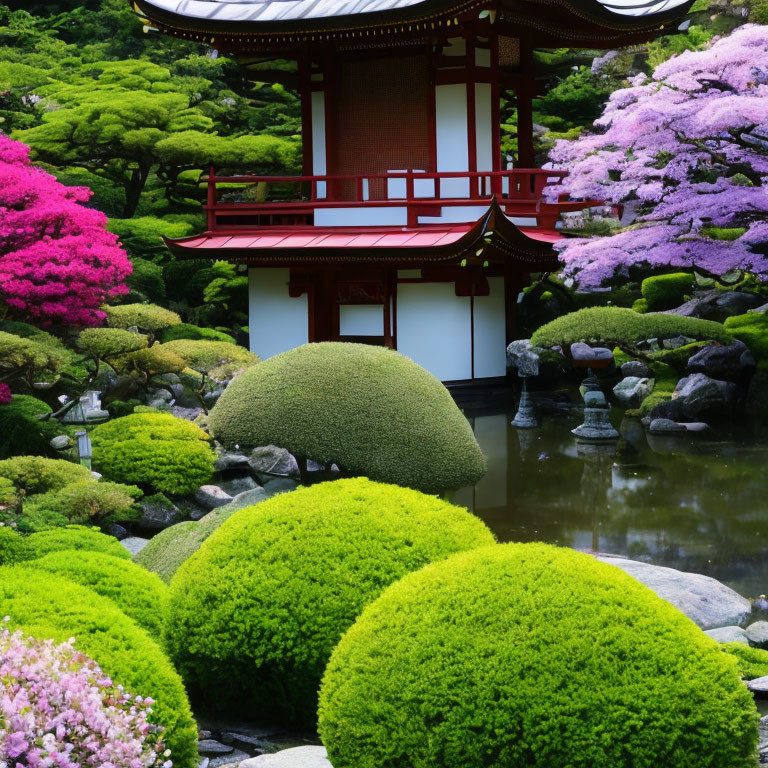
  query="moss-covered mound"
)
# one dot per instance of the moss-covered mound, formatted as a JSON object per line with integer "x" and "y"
{"x": 752, "y": 329}
{"x": 166, "y": 551}
{"x": 13, "y": 547}
{"x": 75, "y": 537}
{"x": 752, "y": 662}
{"x": 623, "y": 328}
{"x": 254, "y": 615}
{"x": 531, "y": 655}
{"x": 368, "y": 409}
{"x": 154, "y": 450}
{"x": 47, "y": 606}
{"x": 140, "y": 595}
{"x": 187, "y": 331}
{"x": 35, "y": 474}
{"x": 666, "y": 291}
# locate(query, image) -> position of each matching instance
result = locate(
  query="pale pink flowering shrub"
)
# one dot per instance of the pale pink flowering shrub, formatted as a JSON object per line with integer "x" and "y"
{"x": 58, "y": 262}
{"x": 688, "y": 149}
{"x": 58, "y": 709}
{"x": 5, "y": 394}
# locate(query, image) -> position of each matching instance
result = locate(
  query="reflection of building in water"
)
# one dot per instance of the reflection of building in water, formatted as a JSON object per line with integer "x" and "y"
{"x": 596, "y": 483}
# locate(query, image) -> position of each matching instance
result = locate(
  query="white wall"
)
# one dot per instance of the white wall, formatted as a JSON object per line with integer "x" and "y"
{"x": 361, "y": 320}
{"x": 318, "y": 139}
{"x": 276, "y": 321}
{"x": 451, "y": 139}
{"x": 483, "y": 127}
{"x": 433, "y": 328}
{"x": 490, "y": 332}
{"x": 368, "y": 216}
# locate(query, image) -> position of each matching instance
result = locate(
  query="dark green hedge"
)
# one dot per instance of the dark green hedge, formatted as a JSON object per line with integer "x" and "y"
{"x": 22, "y": 433}
{"x": 667, "y": 291}
{"x": 188, "y": 331}
{"x": 75, "y": 537}
{"x": 368, "y": 409}
{"x": 47, "y": 606}
{"x": 531, "y": 655}
{"x": 254, "y": 614}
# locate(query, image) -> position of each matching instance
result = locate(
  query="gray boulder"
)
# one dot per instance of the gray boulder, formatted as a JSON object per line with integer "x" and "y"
{"x": 700, "y": 396}
{"x": 280, "y": 485}
{"x": 718, "y": 305}
{"x": 584, "y": 353}
{"x": 731, "y": 363}
{"x": 116, "y": 530}
{"x": 158, "y": 512}
{"x": 757, "y": 634}
{"x": 632, "y": 389}
{"x": 675, "y": 342}
{"x": 211, "y": 496}
{"x": 134, "y": 544}
{"x": 247, "y": 499}
{"x": 296, "y": 757}
{"x": 189, "y": 414}
{"x": 61, "y": 442}
{"x": 637, "y": 369}
{"x": 270, "y": 460}
{"x": 728, "y": 635}
{"x": 229, "y": 461}
{"x": 213, "y": 748}
{"x": 235, "y": 485}
{"x": 758, "y": 686}
{"x": 665, "y": 427}
{"x": 523, "y": 357}
{"x": 702, "y": 599}
{"x": 761, "y": 310}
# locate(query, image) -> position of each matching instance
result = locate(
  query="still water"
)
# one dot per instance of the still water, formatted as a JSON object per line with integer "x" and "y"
{"x": 692, "y": 503}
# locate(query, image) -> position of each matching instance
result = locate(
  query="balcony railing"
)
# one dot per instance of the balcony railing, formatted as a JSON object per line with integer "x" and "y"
{"x": 244, "y": 202}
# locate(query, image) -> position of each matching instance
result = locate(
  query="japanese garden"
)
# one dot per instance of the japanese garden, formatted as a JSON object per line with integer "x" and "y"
{"x": 383, "y": 384}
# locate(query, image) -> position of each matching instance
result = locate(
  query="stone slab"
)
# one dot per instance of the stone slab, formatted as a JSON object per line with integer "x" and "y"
{"x": 296, "y": 757}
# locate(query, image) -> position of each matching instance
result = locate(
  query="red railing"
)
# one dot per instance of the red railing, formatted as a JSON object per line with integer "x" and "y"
{"x": 240, "y": 202}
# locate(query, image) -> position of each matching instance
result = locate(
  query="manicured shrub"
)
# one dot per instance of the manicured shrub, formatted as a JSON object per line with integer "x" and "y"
{"x": 528, "y": 654}
{"x": 257, "y": 610}
{"x": 36, "y": 474}
{"x": 666, "y": 291}
{"x": 136, "y": 592}
{"x": 616, "y": 326}
{"x": 752, "y": 662}
{"x": 752, "y": 329}
{"x": 153, "y": 450}
{"x": 54, "y": 684}
{"x": 147, "y": 280}
{"x": 21, "y": 432}
{"x": 194, "y": 332}
{"x": 108, "y": 343}
{"x": 155, "y": 360}
{"x": 166, "y": 551}
{"x": 218, "y": 359}
{"x": 146, "y": 317}
{"x": 8, "y": 492}
{"x": 368, "y": 409}
{"x": 46, "y": 606}
{"x": 13, "y": 547}
{"x": 78, "y": 538}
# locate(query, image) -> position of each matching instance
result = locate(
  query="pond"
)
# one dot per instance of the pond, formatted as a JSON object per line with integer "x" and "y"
{"x": 693, "y": 503}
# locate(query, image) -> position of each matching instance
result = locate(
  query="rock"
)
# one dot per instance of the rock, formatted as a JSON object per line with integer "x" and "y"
{"x": 96, "y": 475}
{"x": 632, "y": 389}
{"x": 702, "y": 599}
{"x": 636, "y": 368}
{"x": 61, "y": 443}
{"x": 296, "y": 757}
{"x": 272, "y": 461}
{"x": 211, "y": 496}
{"x": 211, "y": 397}
{"x": 728, "y": 635}
{"x": 185, "y": 397}
{"x": 761, "y": 310}
{"x": 675, "y": 342}
{"x": 191, "y": 509}
{"x": 757, "y": 634}
{"x": 718, "y": 305}
{"x": 732, "y": 363}
{"x": 595, "y": 399}
{"x": 665, "y": 426}
{"x": 523, "y": 357}
{"x": 248, "y": 499}
{"x": 699, "y": 395}
{"x": 213, "y": 748}
{"x": 229, "y": 461}
{"x": 280, "y": 485}
{"x": 190, "y": 414}
{"x": 159, "y": 395}
{"x": 697, "y": 427}
{"x": 583, "y": 352}
{"x": 758, "y": 686}
{"x": 120, "y": 533}
{"x": 236, "y": 485}
{"x": 762, "y": 728}
{"x": 159, "y": 405}
{"x": 158, "y": 513}
{"x": 233, "y": 759}
{"x": 134, "y": 544}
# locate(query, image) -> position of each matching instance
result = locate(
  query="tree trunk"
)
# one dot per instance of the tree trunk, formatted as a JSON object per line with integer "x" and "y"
{"x": 134, "y": 188}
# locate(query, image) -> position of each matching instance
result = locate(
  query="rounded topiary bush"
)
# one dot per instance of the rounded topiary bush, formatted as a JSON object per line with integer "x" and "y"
{"x": 35, "y": 474}
{"x": 531, "y": 655}
{"x": 13, "y": 547}
{"x": 187, "y": 331}
{"x": 75, "y": 537}
{"x": 254, "y": 614}
{"x": 218, "y": 359}
{"x": 667, "y": 291}
{"x": 47, "y": 606}
{"x": 22, "y": 433}
{"x": 154, "y": 450}
{"x": 368, "y": 409}
{"x": 139, "y": 594}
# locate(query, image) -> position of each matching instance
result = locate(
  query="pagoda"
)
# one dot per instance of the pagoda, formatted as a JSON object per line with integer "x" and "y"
{"x": 406, "y": 228}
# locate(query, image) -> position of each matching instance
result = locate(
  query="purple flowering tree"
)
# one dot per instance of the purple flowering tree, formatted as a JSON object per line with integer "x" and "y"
{"x": 687, "y": 149}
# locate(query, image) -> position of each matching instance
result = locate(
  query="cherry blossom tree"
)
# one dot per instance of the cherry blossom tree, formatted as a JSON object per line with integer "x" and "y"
{"x": 58, "y": 263}
{"x": 688, "y": 149}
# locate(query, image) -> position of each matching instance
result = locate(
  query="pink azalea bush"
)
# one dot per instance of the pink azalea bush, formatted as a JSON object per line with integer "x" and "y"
{"x": 57, "y": 708}
{"x": 688, "y": 149}
{"x": 58, "y": 262}
{"x": 5, "y": 394}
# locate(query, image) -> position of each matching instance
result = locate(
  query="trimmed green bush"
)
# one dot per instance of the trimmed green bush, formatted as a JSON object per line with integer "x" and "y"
{"x": 531, "y": 655}
{"x": 752, "y": 662}
{"x": 166, "y": 551}
{"x": 75, "y": 537}
{"x": 44, "y": 605}
{"x": 752, "y": 329}
{"x": 147, "y": 280}
{"x": 153, "y": 450}
{"x": 367, "y": 409}
{"x": 667, "y": 291}
{"x": 106, "y": 343}
{"x": 22, "y": 433}
{"x": 36, "y": 474}
{"x": 195, "y": 333}
{"x": 140, "y": 595}
{"x": 155, "y": 360}
{"x": 146, "y": 317}
{"x": 13, "y": 547}
{"x": 219, "y": 359}
{"x": 616, "y": 326}
{"x": 256, "y": 612}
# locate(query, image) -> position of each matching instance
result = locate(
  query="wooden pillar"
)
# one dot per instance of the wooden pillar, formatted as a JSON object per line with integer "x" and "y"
{"x": 471, "y": 109}
{"x": 525, "y": 93}
{"x": 305, "y": 90}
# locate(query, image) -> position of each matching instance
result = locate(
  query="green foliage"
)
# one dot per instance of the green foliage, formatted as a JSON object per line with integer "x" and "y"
{"x": 258, "y": 609}
{"x": 640, "y": 305}
{"x": 84, "y": 503}
{"x": 7, "y": 492}
{"x": 368, "y": 409}
{"x": 218, "y": 359}
{"x": 39, "y": 358}
{"x": 75, "y": 537}
{"x": 758, "y": 11}
{"x": 146, "y": 317}
{"x": 752, "y": 662}
{"x": 665, "y": 381}
{"x": 195, "y": 333}
{"x": 678, "y": 357}
{"x": 165, "y": 552}
{"x": 155, "y": 360}
{"x": 119, "y": 408}
{"x": 752, "y": 329}
{"x": 153, "y": 450}
{"x": 13, "y": 547}
{"x": 142, "y": 236}
{"x": 21, "y": 432}
{"x": 527, "y": 654}
{"x": 138, "y": 594}
{"x": 146, "y": 280}
{"x": 36, "y": 474}
{"x": 45, "y": 605}
{"x": 667, "y": 291}
{"x": 107, "y": 343}
{"x": 616, "y": 326}
{"x": 693, "y": 39}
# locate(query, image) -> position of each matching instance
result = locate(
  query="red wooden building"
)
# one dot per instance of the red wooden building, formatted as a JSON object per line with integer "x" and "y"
{"x": 406, "y": 228}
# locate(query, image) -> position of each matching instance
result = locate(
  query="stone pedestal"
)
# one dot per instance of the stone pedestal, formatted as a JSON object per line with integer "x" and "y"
{"x": 525, "y": 418}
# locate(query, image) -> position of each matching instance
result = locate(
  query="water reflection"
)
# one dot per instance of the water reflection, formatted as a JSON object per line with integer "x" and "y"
{"x": 686, "y": 502}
